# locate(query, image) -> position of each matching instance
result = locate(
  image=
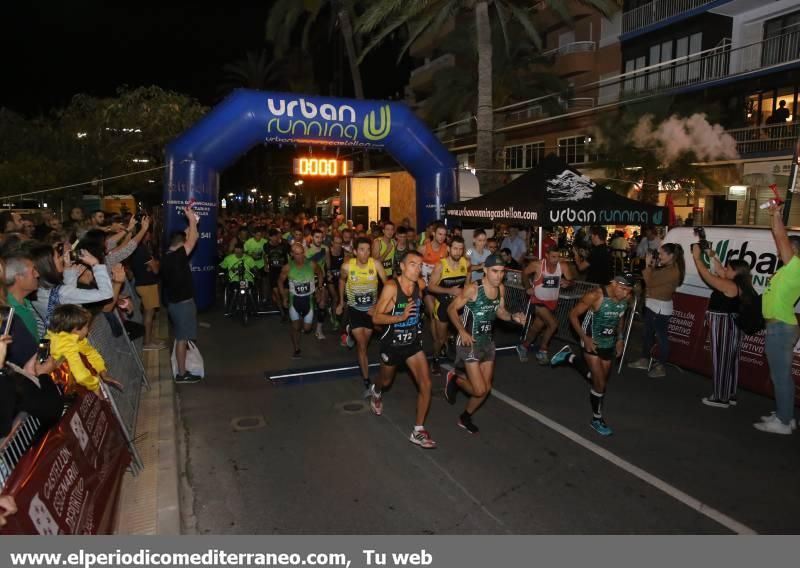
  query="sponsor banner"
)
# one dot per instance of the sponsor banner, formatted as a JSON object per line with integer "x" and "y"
{"x": 69, "y": 482}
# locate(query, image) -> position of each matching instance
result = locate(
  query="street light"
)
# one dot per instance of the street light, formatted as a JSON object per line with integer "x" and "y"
{"x": 254, "y": 190}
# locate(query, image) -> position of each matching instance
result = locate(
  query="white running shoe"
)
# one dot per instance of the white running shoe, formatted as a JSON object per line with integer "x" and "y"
{"x": 773, "y": 417}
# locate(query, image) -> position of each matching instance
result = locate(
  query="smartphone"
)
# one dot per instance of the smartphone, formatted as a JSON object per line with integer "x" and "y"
{"x": 43, "y": 351}
{"x": 7, "y": 326}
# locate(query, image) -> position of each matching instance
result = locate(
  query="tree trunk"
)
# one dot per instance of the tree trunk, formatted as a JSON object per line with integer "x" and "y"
{"x": 352, "y": 58}
{"x": 485, "y": 124}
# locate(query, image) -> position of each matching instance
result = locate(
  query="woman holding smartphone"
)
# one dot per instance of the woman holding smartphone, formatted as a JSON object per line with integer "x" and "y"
{"x": 58, "y": 280}
{"x": 727, "y": 283}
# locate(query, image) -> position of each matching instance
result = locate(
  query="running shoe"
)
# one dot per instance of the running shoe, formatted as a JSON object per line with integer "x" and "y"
{"x": 436, "y": 368}
{"x": 319, "y": 335}
{"x": 561, "y": 357}
{"x": 732, "y": 401}
{"x": 642, "y": 363}
{"x": 422, "y": 438}
{"x": 542, "y": 358}
{"x": 715, "y": 402}
{"x": 375, "y": 402}
{"x": 351, "y": 341}
{"x": 599, "y": 425}
{"x": 772, "y": 417}
{"x": 451, "y": 387}
{"x": 522, "y": 353}
{"x": 296, "y": 354}
{"x": 465, "y": 422}
{"x": 658, "y": 371}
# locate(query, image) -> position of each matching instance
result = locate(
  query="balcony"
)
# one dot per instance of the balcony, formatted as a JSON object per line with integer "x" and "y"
{"x": 721, "y": 62}
{"x": 422, "y": 77}
{"x": 660, "y": 11}
{"x": 573, "y": 58}
{"x": 775, "y": 139}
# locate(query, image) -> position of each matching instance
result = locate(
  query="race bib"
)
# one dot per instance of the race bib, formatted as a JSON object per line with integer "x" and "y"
{"x": 302, "y": 288}
{"x": 276, "y": 262}
{"x": 608, "y": 332}
{"x": 485, "y": 328}
{"x": 550, "y": 282}
{"x": 403, "y": 337}
{"x": 366, "y": 299}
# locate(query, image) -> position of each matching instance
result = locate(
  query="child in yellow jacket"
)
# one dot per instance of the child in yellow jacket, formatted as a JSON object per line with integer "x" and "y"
{"x": 68, "y": 329}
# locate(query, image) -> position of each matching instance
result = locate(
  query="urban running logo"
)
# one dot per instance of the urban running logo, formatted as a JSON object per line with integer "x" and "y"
{"x": 382, "y": 131}
{"x": 569, "y": 186}
{"x": 494, "y": 213}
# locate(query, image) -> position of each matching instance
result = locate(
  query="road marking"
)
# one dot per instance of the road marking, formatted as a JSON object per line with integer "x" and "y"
{"x": 648, "y": 478}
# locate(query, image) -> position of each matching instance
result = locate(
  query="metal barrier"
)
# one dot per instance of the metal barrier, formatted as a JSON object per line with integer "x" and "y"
{"x": 15, "y": 444}
{"x": 517, "y": 300}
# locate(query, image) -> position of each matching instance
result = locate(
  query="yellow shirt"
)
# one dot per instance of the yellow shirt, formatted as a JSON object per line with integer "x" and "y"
{"x": 70, "y": 347}
{"x": 362, "y": 285}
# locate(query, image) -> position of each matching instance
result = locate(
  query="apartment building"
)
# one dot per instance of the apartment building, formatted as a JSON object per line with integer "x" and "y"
{"x": 736, "y": 60}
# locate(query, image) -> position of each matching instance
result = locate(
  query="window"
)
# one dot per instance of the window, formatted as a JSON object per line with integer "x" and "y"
{"x": 781, "y": 39}
{"x": 572, "y": 149}
{"x": 524, "y": 156}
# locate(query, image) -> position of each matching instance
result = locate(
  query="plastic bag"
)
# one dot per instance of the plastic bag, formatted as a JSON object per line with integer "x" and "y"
{"x": 194, "y": 360}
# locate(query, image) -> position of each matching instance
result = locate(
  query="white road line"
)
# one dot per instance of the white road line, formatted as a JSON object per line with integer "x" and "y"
{"x": 648, "y": 478}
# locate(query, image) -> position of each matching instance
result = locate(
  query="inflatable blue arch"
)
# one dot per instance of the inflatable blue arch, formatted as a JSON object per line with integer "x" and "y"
{"x": 248, "y": 118}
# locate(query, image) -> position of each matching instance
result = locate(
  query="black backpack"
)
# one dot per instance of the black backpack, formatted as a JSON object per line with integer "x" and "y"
{"x": 751, "y": 318}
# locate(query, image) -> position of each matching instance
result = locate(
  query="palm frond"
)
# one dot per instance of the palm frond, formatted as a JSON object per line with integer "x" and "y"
{"x": 521, "y": 16}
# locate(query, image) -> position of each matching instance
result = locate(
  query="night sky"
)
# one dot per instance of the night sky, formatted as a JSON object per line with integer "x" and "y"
{"x": 52, "y": 51}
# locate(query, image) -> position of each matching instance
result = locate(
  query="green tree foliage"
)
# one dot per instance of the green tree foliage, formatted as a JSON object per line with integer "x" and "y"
{"x": 94, "y": 138}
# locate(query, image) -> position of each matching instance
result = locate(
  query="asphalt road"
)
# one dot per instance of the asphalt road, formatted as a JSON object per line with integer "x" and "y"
{"x": 307, "y": 456}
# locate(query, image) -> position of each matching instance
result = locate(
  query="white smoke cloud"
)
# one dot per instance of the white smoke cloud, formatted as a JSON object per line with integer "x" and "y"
{"x": 677, "y": 136}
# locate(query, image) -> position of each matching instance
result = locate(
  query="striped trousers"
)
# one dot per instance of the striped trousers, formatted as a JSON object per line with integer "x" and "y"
{"x": 726, "y": 339}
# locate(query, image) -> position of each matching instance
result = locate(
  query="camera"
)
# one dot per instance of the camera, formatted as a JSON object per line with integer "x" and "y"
{"x": 700, "y": 233}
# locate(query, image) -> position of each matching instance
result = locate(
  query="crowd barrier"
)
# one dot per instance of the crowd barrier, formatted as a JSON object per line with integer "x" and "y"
{"x": 87, "y": 448}
{"x": 516, "y": 299}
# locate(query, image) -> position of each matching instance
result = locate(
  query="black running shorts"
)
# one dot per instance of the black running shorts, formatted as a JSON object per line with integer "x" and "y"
{"x": 394, "y": 356}
{"x": 359, "y": 318}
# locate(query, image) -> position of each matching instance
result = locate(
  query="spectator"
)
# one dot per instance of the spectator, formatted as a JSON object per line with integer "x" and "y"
{"x": 491, "y": 245}
{"x": 597, "y": 264}
{"x": 145, "y": 267}
{"x": 21, "y": 280}
{"x": 477, "y": 254}
{"x": 515, "y": 244}
{"x": 8, "y": 506}
{"x": 508, "y": 259}
{"x": 68, "y": 330}
{"x": 662, "y": 276}
{"x": 176, "y": 277}
{"x": 781, "y": 114}
{"x": 782, "y": 332}
{"x": 723, "y": 308}
{"x": 618, "y": 242}
{"x": 10, "y": 221}
{"x": 97, "y": 220}
{"x": 650, "y": 242}
{"x": 58, "y": 281}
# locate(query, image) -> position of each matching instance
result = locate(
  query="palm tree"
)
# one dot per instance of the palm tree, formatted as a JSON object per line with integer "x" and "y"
{"x": 255, "y": 71}
{"x": 383, "y": 17}
{"x": 285, "y": 16}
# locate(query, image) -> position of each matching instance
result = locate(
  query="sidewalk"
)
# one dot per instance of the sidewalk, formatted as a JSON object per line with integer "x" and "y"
{"x": 149, "y": 502}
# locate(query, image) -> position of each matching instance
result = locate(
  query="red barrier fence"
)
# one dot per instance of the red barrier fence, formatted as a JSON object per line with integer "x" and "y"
{"x": 69, "y": 482}
{"x": 690, "y": 348}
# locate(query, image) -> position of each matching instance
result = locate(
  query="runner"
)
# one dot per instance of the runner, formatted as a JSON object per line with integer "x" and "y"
{"x": 384, "y": 248}
{"x": 447, "y": 281}
{"x": 254, "y": 248}
{"x": 482, "y": 303}
{"x": 400, "y": 309}
{"x": 433, "y": 251}
{"x": 317, "y": 252}
{"x": 401, "y": 247}
{"x": 337, "y": 256}
{"x": 347, "y": 241}
{"x": 602, "y": 339}
{"x": 543, "y": 281}
{"x": 358, "y": 285}
{"x": 304, "y": 276}
{"x": 477, "y": 254}
{"x": 276, "y": 252}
